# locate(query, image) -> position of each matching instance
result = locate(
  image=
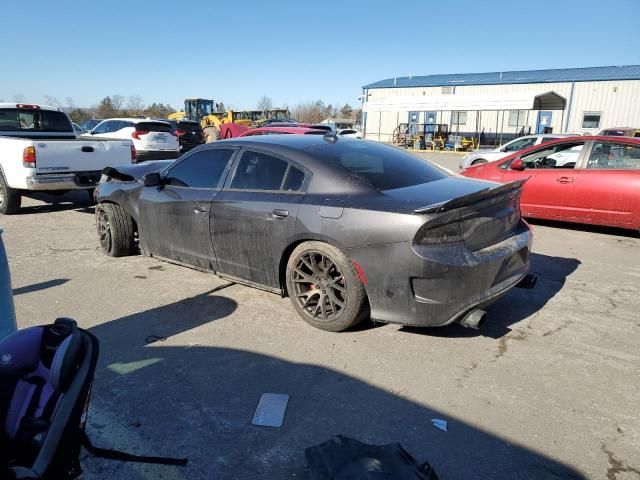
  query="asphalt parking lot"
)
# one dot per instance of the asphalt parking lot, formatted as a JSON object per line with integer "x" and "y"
{"x": 549, "y": 388}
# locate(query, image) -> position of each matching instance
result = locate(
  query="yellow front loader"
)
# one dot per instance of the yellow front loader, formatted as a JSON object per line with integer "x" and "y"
{"x": 205, "y": 112}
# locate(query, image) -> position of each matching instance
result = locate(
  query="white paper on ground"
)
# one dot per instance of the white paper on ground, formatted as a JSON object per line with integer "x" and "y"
{"x": 271, "y": 409}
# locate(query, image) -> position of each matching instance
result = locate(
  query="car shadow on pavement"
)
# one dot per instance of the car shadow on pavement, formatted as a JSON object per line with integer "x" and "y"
{"x": 518, "y": 303}
{"x": 78, "y": 200}
{"x": 197, "y": 401}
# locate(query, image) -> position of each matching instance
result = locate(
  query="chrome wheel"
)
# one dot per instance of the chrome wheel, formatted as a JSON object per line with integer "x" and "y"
{"x": 319, "y": 286}
{"x": 104, "y": 230}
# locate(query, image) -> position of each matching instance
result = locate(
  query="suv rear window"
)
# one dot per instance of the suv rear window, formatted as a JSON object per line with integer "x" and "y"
{"x": 381, "y": 166}
{"x": 188, "y": 126}
{"x": 33, "y": 120}
{"x": 154, "y": 126}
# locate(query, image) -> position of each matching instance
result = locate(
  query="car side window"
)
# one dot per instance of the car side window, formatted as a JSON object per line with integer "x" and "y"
{"x": 259, "y": 171}
{"x": 547, "y": 139}
{"x": 114, "y": 126}
{"x": 562, "y": 155}
{"x": 519, "y": 145}
{"x": 294, "y": 180}
{"x": 608, "y": 155}
{"x": 202, "y": 169}
{"x": 101, "y": 127}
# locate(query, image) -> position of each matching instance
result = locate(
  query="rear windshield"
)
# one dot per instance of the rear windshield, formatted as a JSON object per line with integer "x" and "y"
{"x": 154, "y": 127}
{"x": 33, "y": 120}
{"x": 381, "y": 166}
{"x": 189, "y": 126}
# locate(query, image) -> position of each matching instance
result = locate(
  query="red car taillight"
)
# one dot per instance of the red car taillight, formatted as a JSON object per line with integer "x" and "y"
{"x": 180, "y": 132}
{"x": 136, "y": 133}
{"x": 29, "y": 157}
{"x": 133, "y": 153}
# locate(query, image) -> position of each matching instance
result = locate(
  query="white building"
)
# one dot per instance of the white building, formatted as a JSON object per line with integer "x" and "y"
{"x": 500, "y": 105}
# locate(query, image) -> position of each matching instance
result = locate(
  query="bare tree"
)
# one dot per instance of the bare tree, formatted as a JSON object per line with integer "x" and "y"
{"x": 265, "y": 103}
{"x": 70, "y": 103}
{"x": 53, "y": 101}
{"x": 18, "y": 98}
{"x": 117, "y": 101}
{"x": 135, "y": 105}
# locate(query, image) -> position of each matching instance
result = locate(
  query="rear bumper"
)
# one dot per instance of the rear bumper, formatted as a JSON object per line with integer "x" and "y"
{"x": 64, "y": 181}
{"x": 144, "y": 155}
{"x": 436, "y": 286}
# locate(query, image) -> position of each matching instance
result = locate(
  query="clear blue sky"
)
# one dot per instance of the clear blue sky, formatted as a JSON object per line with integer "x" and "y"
{"x": 237, "y": 51}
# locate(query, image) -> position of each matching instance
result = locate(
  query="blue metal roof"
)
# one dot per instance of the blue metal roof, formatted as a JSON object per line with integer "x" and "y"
{"x": 589, "y": 74}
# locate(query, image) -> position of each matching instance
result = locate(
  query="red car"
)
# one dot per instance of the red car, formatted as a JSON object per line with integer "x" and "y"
{"x": 594, "y": 180}
{"x": 274, "y": 130}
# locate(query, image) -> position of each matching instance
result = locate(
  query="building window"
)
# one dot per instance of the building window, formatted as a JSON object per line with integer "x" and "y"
{"x": 591, "y": 119}
{"x": 517, "y": 118}
{"x": 447, "y": 90}
{"x": 458, "y": 118}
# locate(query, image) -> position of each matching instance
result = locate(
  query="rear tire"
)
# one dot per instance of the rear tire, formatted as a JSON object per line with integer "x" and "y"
{"x": 10, "y": 198}
{"x": 325, "y": 287}
{"x": 478, "y": 161}
{"x": 211, "y": 134}
{"x": 115, "y": 230}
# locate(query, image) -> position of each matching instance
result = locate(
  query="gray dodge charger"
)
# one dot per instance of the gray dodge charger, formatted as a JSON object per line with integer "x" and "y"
{"x": 348, "y": 229}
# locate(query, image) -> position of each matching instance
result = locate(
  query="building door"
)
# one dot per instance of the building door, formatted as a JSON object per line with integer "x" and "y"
{"x": 414, "y": 118}
{"x": 544, "y": 122}
{"x": 429, "y": 118}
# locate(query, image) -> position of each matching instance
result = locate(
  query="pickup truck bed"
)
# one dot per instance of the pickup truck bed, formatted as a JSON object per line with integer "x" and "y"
{"x": 39, "y": 151}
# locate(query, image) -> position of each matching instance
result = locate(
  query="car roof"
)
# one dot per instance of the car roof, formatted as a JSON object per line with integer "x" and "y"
{"x": 137, "y": 120}
{"x": 282, "y": 129}
{"x": 40, "y": 107}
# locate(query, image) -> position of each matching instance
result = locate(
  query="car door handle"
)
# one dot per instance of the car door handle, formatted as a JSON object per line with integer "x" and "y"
{"x": 87, "y": 149}
{"x": 277, "y": 213}
{"x": 564, "y": 180}
{"x": 199, "y": 210}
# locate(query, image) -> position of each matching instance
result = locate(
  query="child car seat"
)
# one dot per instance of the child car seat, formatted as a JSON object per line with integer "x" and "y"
{"x": 45, "y": 381}
{"x": 46, "y": 375}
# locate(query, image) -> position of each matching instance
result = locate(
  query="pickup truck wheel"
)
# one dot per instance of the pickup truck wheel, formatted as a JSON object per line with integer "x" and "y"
{"x": 10, "y": 198}
{"x": 115, "y": 230}
{"x": 325, "y": 288}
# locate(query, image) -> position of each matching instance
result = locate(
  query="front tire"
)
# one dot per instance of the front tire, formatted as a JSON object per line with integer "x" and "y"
{"x": 10, "y": 198}
{"x": 115, "y": 230}
{"x": 211, "y": 134}
{"x": 325, "y": 288}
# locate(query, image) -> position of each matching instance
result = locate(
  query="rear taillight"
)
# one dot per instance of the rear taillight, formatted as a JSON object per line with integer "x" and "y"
{"x": 180, "y": 132}
{"x": 136, "y": 133}
{"x": 29, "y": 157}
{"x": 446, "y": 234}
{"x": 133, "y": 153}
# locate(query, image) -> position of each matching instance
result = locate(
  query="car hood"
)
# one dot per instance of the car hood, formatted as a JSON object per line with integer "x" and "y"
{"x": 419, "y": 197}
{"x": 128, "y": 173}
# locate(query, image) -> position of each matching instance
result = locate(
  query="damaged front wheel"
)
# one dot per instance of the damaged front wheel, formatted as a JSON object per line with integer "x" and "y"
{"x": 115, "y": 230}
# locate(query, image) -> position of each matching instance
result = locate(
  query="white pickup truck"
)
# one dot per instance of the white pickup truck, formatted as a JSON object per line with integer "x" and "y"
{"x": 39, "y": 151}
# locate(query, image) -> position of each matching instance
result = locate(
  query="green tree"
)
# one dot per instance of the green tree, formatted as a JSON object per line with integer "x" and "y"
{"x": 106, "y": 109}
{"x": 158, "y": 110}
{"x": 346, "y": 111}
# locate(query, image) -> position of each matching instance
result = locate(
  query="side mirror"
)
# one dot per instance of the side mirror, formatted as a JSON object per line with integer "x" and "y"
{"x": 517, "y": 164}
{"x": 152, "y": 179}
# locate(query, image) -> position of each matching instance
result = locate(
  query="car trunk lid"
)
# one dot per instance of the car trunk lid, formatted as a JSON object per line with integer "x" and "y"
{"x": 479, "y": 219}
{"x": 155, "y": 136}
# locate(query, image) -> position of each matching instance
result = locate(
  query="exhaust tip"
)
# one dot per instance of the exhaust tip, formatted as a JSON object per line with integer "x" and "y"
{"x": 528, "y": 281}
{"x": 474, "y": 319}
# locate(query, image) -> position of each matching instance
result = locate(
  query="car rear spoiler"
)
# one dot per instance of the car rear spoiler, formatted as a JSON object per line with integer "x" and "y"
{"x": 471, "y": 198}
